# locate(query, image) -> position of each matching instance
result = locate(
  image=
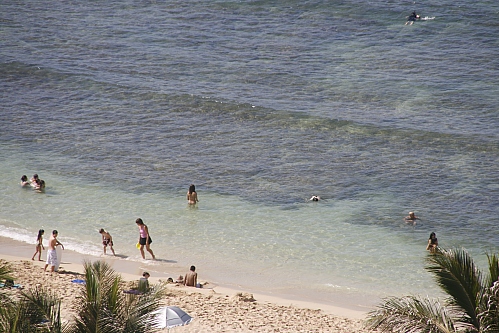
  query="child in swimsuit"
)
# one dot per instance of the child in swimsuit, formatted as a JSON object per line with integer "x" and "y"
{"x": 107, "y": 239}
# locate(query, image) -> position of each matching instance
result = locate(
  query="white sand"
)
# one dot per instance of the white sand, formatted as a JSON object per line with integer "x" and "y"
{"x": 214, "y": 310}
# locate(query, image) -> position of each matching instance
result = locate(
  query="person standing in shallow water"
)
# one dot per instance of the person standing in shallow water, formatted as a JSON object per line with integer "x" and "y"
{"x": 33, "y": 179}
{"x": 107, "y": 239}
{"x": 192, "y": 196}
{"x": 432, "y": 243}
{"x": 144, "y": 238}
{"x": 24, "y": 181}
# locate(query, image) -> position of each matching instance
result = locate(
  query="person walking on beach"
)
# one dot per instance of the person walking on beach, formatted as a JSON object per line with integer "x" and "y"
{"x": 39, "y": 245}
{"x": 144, "y": 238}
{"x": 51, "y": 253}
{"x": 107, "y": 239}
{"x": 191, "y": 278}
{"x": 192, "y": 196}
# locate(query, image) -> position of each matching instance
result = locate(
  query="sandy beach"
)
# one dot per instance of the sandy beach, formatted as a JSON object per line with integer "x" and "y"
{"x": 214, "y": 309}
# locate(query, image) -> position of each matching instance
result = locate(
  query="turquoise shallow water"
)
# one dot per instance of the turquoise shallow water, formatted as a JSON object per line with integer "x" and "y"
{"x": 119, "y": 106}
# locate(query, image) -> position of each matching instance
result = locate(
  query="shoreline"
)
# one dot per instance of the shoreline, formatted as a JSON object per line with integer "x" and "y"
{"x": 16, "y": 251}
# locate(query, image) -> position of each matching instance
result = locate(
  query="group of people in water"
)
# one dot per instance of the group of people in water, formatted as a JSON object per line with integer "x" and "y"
{"x": 35, "y": 182}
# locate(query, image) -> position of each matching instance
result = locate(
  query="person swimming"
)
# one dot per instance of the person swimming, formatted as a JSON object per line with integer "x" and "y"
{"x": 411, "y": 218}
{"x": 412, "y": 18}
{"x": 315, "y": 198}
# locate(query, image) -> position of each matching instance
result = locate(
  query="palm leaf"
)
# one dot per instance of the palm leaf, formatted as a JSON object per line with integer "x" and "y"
{"x": 105, "y": 308}
{"x": 5, "y": 270}
{"x": 44, "y": 307}
{"x": 94, "y": 314}
{"x": 493, "y": 270}
{"x": 33, "y": 311}
{"x": 458, "y": 276}
{"x": 411, "y": 314}
{"x": 489, "y": 318}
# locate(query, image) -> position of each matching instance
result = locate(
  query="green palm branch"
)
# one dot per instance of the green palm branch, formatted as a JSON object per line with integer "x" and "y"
{"x": 457, "y": 275}
{"x": 412, "y": 314}
{"x": 30, "y": 311}
{"x": 5, "y": 271}
{"x": 33, "y": 311}
{"x": 105, "y": 308}
{"x": 489, "y": 318}
{"x": 472, "y": 305}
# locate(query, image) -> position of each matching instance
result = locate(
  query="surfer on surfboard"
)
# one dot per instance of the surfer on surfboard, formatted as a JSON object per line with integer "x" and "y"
{"x": 412, "y": 18}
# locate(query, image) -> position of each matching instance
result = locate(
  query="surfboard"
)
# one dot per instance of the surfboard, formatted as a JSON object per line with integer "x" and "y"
{"x": 426, "y": 18}
{"x": 58, "y": 250}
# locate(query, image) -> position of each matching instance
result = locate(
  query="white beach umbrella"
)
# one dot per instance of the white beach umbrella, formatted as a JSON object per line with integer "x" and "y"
{"x": 171, "y": 316}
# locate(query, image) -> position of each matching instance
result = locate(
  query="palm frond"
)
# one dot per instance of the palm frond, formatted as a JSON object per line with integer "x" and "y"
{"x": 32, "y": 311}
{"x": 44, "y": 307}
{"x": 105, "y": 308}
{"x": 5, "y": 270}
{"x": 493, "y": 260}
{"x": 5, "y": 273}
{"x": 489, "y": 317}
{"x": 135, "y": 311}
{"x": 94, "y": 313}
{"x": 457, "y": 275}
{"x": 411, "y": 314}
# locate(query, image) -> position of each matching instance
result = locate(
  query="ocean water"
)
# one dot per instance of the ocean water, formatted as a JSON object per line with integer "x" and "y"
{"x": 119, "y": 106}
